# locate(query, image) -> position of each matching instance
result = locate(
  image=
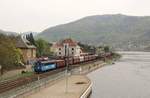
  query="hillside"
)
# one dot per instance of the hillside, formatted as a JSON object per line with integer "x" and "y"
{"x": 120, "y": 31}
{"x": 7, "y": 32}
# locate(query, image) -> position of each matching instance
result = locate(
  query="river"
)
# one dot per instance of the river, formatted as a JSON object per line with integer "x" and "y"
{"x": 127, "y": 78}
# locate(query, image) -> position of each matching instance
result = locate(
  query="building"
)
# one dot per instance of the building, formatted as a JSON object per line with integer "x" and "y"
{"x": 66, "y": 47}
{"x": 27, "y": 48}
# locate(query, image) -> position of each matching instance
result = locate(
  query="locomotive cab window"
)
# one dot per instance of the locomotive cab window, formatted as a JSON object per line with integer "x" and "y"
{"x": 48, "y": 64}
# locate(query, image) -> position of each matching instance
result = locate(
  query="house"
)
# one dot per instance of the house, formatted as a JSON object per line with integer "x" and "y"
{"x": 66, "y": 47}
{"x": 27, "y": 48}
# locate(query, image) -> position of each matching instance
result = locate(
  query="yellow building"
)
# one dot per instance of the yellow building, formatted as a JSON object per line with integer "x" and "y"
{"x": 27, "y": 48}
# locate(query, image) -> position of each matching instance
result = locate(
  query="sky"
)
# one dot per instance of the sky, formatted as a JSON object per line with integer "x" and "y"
{"x": 37, "y": 15}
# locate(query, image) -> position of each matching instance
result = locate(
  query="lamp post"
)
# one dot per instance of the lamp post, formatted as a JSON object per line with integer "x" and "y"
{"x": 67, "y": 65}
{"x": 1, "y": 72}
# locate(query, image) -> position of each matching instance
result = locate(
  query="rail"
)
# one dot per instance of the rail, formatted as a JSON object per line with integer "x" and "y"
{"x": 42, "y": 83}
{"x": 33, "y": 86}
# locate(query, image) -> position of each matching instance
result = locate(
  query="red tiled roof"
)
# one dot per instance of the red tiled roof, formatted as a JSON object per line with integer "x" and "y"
{"x": 68, "y": 41}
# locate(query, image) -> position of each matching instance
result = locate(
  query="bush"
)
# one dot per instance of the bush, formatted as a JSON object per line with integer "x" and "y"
{"x": 43, "y": 48}
{"x": 10, "y": 56}
{"x": 23, "y": 72}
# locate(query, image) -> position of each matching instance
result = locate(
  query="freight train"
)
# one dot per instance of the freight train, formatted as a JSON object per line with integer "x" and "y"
{"x": 47, "y": 65}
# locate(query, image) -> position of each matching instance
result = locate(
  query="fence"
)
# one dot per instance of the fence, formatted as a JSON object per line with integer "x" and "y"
{"x": 36, "y": 86}
{"x": 1, "y": 72}
{"x": 32, "y": 87}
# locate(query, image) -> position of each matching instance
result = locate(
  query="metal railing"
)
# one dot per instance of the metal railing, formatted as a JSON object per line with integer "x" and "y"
{"x": 32, "y": 87}
{"x": 36, "y": 86}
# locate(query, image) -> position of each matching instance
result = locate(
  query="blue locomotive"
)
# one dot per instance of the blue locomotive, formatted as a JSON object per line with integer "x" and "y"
{"x": 42, "y": 66}
{"x": 46, "y": 65}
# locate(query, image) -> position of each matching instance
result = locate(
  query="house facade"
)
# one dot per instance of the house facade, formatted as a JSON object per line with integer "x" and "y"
{"x": 27, "y": 48}
{"x": 66, "y": 47}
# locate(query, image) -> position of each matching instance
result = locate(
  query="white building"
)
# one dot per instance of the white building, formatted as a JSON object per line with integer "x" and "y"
{"x": 66, "y": 47}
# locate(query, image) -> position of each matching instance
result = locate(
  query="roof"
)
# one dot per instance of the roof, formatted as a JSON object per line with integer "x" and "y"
{"x": 22, "y": 42}
{"x": 51, "y": 61}
{"x": 68, "y": 41}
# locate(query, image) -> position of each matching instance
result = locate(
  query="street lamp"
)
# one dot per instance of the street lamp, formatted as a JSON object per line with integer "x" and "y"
{"x": 1, "y": 72}
{"x": 67, "y": 64}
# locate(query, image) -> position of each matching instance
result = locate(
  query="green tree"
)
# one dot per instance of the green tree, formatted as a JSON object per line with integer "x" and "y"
{"x": 87, "y": 48}
{"x": 43, "y": 48}
{"x": 10, "y": 56}
{"x": 106, "y": 49}
{"x": 30, "y": 38}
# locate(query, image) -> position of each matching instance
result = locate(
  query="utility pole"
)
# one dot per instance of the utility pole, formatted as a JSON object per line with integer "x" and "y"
{"x": 67, "y": 65}
{"x": 1, "y": 70}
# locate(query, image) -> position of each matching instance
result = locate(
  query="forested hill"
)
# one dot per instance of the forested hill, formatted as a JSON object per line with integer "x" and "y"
{"x": 120, "y": 31}
{"x": 7, "y": 32}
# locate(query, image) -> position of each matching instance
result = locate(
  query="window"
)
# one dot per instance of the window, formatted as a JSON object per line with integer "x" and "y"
{"x": 72, "y": 52}
{"x": 47, "y": 64}
{"x": 59, "y": 48}
{"x": 59, "y": 53}
{"x": 72, "y": 48}
{"x": 65, "y": 46}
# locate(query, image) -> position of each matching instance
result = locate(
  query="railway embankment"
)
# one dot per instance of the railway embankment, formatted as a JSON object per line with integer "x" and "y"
{"x": 78, "y": 86}
{"x": 74, "y": 91}
{"x": 41, "y": 84}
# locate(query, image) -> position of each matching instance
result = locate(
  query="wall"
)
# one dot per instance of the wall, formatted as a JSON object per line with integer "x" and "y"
{"x": 75, "y": 52}
{"x": 28, "y": 54}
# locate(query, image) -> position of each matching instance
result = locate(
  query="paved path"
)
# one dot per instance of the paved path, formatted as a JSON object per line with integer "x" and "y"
{"x": 58, "y": 89}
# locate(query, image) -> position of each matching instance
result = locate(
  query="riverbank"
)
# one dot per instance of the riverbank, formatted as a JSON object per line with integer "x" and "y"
{"x": 77, "y": 85}
{"x": 83, "y": 69}
{"x": 129, "y": 77}
{"x": 44, "y": 89}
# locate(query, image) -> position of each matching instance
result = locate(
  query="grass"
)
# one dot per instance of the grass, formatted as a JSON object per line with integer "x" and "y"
{"x": 109, "y": 62}
{"x": 26, "y": 74}
{"x": 19, "y": 75}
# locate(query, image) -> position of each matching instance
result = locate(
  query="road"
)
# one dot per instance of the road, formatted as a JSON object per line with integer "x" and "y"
{"x": 127, "y": 78}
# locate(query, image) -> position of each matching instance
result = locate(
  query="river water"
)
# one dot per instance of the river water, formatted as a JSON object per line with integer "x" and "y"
{"x": 127, "y": 78}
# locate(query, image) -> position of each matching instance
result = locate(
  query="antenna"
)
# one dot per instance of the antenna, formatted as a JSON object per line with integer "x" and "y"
{"x": 70, "y": 35}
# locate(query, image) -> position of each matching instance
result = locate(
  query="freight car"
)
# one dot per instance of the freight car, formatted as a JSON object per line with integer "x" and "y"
{"x": 42, "y": 66}
{"x": 59, "y": 63}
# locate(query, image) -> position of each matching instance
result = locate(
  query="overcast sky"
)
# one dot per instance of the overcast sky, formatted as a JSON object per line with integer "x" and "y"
{"x": 37, "y": 15}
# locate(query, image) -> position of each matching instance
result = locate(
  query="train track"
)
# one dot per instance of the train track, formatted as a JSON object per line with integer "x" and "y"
{"x": 8, "y": 85}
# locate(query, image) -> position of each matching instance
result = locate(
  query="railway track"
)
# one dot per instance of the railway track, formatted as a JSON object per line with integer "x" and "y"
{"x": 8, "y": 85}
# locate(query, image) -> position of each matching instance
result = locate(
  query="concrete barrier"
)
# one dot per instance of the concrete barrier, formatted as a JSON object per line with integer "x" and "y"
{"x": 88, "y": 91}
